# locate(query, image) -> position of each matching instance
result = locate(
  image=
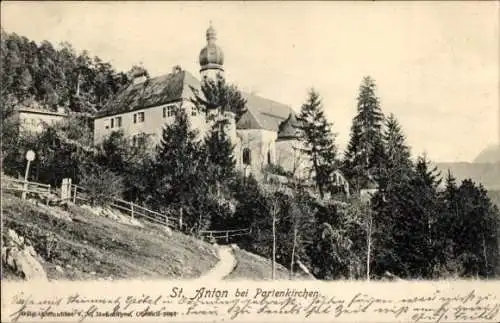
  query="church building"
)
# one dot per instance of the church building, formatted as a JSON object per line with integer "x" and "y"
{"x": 264, "y": 135}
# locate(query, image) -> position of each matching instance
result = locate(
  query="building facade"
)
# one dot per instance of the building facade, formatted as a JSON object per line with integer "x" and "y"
{"x": 33, "y": 119}
{"x": 264, "y": 135}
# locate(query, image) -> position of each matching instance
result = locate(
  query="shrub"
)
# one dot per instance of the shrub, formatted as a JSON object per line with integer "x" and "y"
{"x": 102, "y": 185}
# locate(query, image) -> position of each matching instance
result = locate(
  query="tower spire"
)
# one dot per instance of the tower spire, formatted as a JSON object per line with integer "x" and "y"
{"x": 211, "y": 56}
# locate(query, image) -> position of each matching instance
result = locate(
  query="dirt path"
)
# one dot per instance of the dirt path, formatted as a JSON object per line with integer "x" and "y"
{"x": 226, "y": 264}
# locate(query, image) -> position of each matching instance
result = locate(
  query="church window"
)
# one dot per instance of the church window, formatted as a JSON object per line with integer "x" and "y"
{"x": 246, "y": 156}
{"x": 194, "y": 112}
{"x": 118, "y": 121}
{"x": 269, "y": 157}
{"x": 112, "y": 123}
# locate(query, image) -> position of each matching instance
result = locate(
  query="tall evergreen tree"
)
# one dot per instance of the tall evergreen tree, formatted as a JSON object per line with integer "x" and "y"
{"x": 219, "y": 151}
{"x": 318, "y": 141}
{"x": 396, "y": 165}
{"x": 180, "y": 164}
{"x": 364, "y": 153}
{"x": 473, "y": 227}
{"x": 419, "y": 223}
{"x": 218, "y": 96}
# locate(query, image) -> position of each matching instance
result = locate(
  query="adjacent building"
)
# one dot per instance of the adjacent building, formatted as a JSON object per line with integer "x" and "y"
{"x": 32, "y": 119}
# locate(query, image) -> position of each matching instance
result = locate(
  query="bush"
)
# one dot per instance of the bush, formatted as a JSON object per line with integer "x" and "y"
{"x": 102, "y": 185}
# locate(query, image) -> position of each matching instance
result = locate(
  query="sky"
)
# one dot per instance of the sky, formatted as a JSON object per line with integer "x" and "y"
{"x": 436, "y": 64}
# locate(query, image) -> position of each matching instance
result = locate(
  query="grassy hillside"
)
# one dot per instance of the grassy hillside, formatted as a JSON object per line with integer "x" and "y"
{"x": 95, "y": 247}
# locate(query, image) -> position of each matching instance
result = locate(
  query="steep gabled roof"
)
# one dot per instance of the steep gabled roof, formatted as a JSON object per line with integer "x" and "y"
{"x": 268, "y": 114}
{"x": 153, "y": 92}
{"x": 262, "y": 113}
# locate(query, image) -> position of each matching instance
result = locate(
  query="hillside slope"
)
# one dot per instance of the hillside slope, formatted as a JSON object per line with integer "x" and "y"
{"x": 75, "y": 244}
{"x": 490, "y": 154}
{"x": 90, "y": 247}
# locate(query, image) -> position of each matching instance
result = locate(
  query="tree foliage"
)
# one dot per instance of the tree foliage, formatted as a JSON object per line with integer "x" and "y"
{"x": 364, "y": 154}
{"x": 56, "y": 77}
{"x": 318, "y": 141}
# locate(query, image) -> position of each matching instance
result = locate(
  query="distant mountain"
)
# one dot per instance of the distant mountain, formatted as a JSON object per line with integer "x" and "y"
{"x": 487, "y": 174}
{"x": 489, "y": 155}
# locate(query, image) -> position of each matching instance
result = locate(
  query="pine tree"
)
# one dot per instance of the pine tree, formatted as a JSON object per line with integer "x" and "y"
{"x": 216, "y": 98}
{"x": 180, "y": 164}
{"x": 396, "y": 165}
{"x": 475, "y": 231}
{"x": 219, "y": 151}
{"x": 318, "y": 141}
{"x": 220, "y": 97}
{"x": 419, "y": 251}
{"x": 364, "y": 153}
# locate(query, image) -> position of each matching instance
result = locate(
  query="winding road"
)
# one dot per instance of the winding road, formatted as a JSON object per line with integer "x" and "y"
{"x": 224, "y": 267}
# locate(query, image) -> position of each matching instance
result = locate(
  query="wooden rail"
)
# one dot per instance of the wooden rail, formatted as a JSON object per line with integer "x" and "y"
{"x": 79, "y": 193}
{"x": 224, "y": 234}
{"x": 20, "y": 185}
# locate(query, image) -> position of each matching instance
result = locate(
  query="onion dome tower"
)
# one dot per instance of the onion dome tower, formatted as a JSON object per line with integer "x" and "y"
{"x": 211, "y": 56}
{"x": 288, "y": 129}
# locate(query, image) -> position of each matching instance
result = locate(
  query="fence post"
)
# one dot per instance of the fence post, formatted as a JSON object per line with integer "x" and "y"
{"x": 74, "y": 194}
{"x": 227, "y": 236}
{"x": 132, "y": 209}
{"x": 180, "y": 219}
{"x": 48, "y": 196}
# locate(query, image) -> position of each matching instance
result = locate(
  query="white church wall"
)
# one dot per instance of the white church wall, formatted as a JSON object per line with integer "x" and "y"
{"x": 259, "y": 142}
{"x": 290, "y": 157}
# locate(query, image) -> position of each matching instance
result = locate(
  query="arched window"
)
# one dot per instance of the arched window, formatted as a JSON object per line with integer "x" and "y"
{"x": 246, "y": 156}
{"x": 269, "y": 157}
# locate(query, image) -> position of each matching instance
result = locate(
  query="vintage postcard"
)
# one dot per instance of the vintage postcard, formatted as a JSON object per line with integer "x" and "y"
{"x": 250, "y": 161}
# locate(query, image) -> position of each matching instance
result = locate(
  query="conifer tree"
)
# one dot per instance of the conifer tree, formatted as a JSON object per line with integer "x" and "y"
{"x": 180, "y": 164}
{"x": 219, "y": 151}
{"x": 215, "y": 99}
{"x": 396, "y": 165}
{"x": 417, "y": 229}
{"x": 218, "y": 96}
{"x": 318, "y": 141}
{"x": 473, "y": 227}
{"x": 364, "y": 153}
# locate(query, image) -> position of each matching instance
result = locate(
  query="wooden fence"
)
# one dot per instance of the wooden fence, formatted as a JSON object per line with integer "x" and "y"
{"x": 79, "y": 193}
{"x": 25, "y": 187}
{"x": 224, "y": 234}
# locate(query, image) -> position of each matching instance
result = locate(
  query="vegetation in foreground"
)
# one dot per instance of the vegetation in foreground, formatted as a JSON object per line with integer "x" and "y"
{"x": 93, "y": 247}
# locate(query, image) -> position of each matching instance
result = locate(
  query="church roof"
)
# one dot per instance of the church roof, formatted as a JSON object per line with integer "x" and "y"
{"x": 153, "y": 92}
{"x": 261, "y": 113}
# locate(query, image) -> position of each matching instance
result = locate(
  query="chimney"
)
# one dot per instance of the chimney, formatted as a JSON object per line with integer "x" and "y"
{"x": 138, "y": 75}
{"x": 176, "y": 69}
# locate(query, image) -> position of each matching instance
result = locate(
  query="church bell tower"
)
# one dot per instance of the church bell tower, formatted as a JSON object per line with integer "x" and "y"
{"x": 211, "y": 56}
